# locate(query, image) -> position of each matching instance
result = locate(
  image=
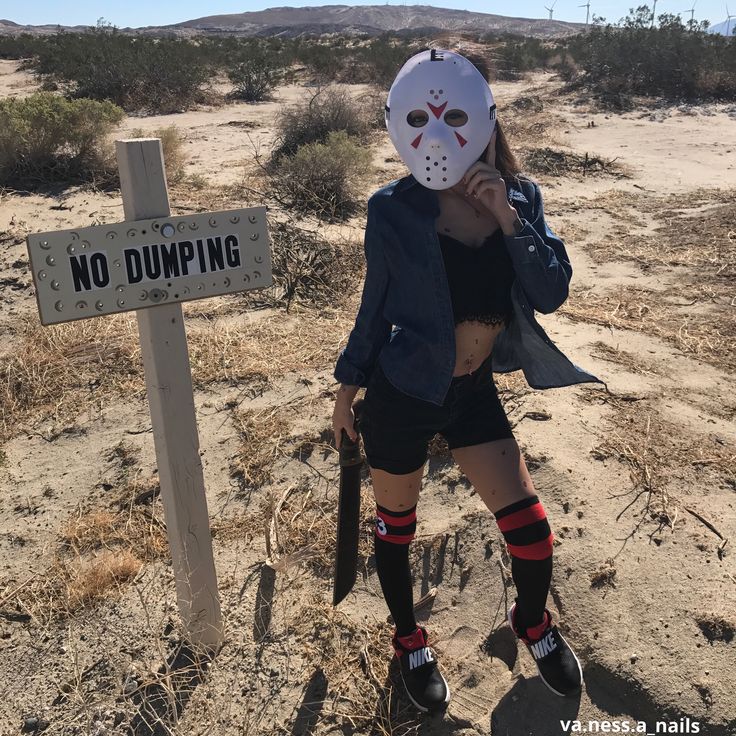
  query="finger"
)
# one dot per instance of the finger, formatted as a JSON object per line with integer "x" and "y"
{"x": 487, "y": 186}
{"x": 484, "y": 175}
{"x": 474, "y": 181}
{"x": 471, "y": 170}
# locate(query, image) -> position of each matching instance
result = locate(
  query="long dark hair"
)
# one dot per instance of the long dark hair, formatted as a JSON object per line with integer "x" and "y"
{"x": 506, "y": 163}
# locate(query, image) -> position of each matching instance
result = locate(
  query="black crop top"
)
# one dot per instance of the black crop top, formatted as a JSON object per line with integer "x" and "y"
{"x": 479, "y": 278}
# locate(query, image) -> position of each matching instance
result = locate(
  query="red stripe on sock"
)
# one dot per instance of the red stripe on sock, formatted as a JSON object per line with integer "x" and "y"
{"x": 521, "y": 518}
{"x": 397, "y": 520}
{"x": 537, "y": 551}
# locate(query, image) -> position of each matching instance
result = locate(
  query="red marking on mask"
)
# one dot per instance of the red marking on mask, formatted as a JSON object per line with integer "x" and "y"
{"x": 437, "y": 110}
{"x": 415, "y": 142}
{"x": 460, "y": 139}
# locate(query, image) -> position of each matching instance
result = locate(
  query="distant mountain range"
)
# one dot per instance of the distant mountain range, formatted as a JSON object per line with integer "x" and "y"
{"x": 723, "y": 27}
{"x": 343, "y": 19}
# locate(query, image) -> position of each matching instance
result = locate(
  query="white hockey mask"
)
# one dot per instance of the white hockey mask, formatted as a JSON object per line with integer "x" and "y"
{"x": 440, "y": 116}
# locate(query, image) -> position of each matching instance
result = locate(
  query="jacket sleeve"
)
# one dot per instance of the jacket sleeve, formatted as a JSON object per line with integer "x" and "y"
{"x": 356, "y": 361}
{"x": 540, "y": 260}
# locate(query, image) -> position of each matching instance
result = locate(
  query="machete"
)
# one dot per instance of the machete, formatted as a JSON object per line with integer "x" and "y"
{"x": 348, "y": 511}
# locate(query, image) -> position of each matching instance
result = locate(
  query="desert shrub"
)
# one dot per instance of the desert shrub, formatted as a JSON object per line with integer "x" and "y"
{"x": 322, "y": 178}
{"x": 376, "y": 62}
{"x": 307, "y": 269}
{"x": 138, "y": 73}
{"x": 45, "y": 138}
{"x": 172, "y": 143}
{"x": 254, "y": 78}
{"x": 673, "y": 60}
{"x": 312, "y": 120}
{"x": 22, "y": 46}
{"x": 323, "y": 62}
{"x": 513, "y": 57}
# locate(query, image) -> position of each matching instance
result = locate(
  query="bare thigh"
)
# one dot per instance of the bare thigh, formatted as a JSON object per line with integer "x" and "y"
{"x": 396, "y": 492}
{"x": 497, "y": 471}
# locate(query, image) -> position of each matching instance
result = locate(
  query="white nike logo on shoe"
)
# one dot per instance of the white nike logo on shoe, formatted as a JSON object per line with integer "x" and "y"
{"x": 544, "y": 646}
{"x": 420, "y": 657}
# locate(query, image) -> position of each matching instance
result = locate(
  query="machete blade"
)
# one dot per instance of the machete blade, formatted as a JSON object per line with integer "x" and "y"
{"x": 348, "y": 512}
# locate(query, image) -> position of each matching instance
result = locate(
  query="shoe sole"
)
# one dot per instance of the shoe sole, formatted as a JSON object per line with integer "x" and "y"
{"x": 423, "y": 708}
{"x": 539, "y": 672}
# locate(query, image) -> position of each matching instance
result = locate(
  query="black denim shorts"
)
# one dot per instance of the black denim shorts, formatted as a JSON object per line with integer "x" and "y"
{"x": 396, "y": 428}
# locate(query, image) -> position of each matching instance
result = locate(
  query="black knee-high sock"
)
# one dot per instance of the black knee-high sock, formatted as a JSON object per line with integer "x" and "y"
{"x": 394, "y": 532}
{"x": 532, "y": 579}
{"x": 529, "y": 540}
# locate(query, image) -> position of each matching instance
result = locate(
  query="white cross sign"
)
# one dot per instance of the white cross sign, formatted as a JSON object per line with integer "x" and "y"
{"x": 150, "y": 264}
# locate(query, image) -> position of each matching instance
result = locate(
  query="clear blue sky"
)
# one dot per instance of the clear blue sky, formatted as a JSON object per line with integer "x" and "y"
{"x": 136, "y": 13}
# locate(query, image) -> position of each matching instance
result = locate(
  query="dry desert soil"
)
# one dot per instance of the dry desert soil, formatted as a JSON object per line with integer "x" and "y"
{"x": 638, "y": 477}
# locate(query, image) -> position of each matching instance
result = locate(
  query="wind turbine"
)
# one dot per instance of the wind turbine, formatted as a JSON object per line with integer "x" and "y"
{"x": 550, "y": 9}
{"x": 654, "y": 7}
{"x": 728, "y": 24}
{"x": 587, "y": 12}
{"x": 692, "y": 12}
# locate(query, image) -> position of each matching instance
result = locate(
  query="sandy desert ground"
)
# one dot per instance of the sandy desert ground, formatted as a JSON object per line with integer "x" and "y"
{"x": 638, "y": 479}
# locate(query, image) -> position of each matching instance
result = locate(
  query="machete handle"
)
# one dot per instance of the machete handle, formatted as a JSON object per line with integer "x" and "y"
{"x": 349, "y": 449}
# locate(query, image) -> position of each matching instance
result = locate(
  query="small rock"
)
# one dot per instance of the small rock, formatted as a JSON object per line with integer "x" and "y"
{"x": 633, "y": 658}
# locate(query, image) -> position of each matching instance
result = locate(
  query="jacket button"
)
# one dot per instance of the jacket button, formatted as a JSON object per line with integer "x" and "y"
{"x": 531, "y": 248}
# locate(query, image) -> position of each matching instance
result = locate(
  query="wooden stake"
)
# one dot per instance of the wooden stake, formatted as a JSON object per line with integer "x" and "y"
{"x": 171, "y": 400}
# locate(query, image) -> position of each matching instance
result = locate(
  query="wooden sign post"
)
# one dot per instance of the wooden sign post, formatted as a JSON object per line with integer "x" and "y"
{"x": 151, "y": 263}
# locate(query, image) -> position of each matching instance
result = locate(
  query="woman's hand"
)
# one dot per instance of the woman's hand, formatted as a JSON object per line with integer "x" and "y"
{"x": 483, "y": 183}
{"x": 343, "y": 418}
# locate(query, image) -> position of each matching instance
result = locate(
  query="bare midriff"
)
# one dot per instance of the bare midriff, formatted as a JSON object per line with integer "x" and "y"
{"x": 473, "y": 344}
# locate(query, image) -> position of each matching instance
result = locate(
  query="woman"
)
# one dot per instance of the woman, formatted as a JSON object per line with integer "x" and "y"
{"x": 453, "y": 277}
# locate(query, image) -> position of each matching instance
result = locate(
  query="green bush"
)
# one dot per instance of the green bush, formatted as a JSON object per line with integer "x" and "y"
{"x": 138, "y": 73}
{"x": 172, "y": 143}
{"x": 671, "y": 60}
{"x": 323, "y": 178}
{"x": 254, "y": 78}
{"x": 22, "y": 46}
{"x": 514, "y": 57}
{"x": 45, "y": 138}
{"x": 377, "y": 63}
{"x": 311, "y": 121}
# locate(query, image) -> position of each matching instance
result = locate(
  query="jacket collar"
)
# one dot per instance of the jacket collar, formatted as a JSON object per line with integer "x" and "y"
{"x": 425, "y": 199}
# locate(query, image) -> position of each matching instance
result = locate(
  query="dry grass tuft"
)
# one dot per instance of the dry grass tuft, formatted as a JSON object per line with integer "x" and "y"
{"x": 58, "y": 371}
{"x": 710, "y": 337}
{"x": 553, "y": 162}
{"x": 90, "y": 580}
{"x": 261, "y": 437}
{"x": 696, "y": 235}
{"x": 97, "y": 552}
{"x": 623, "y": 358}
{"x": 305, "y": 525}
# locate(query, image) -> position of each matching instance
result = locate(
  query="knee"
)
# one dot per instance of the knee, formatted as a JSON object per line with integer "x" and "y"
{"x": 395, "y": 527}
{"x": 525, "y": 528}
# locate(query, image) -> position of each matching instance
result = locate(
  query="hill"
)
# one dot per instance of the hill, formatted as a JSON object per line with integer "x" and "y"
{"x": 344, "y": 19}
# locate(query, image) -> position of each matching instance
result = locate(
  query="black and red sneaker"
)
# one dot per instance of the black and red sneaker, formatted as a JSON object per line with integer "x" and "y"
{"x": 424, "y": 683}
{"x": 556, "y": 662}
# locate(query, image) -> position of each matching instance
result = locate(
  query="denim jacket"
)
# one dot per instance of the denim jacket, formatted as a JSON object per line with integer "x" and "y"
{"x": 405, "y": 318}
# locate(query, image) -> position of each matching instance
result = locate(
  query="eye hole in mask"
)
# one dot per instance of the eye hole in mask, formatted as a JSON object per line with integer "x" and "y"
{"x": 456, "y": 118}
{"x": 417, "y": 118}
